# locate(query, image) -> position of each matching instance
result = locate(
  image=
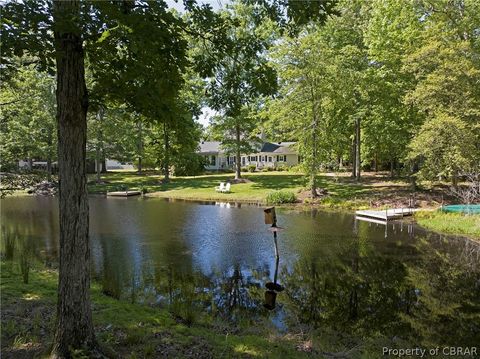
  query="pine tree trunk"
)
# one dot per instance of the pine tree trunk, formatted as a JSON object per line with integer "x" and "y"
{"x": 238, "y": 165}
{"x": 354, "y": 155}
{"x": 98, "y": 167}
{"x": 313, "y": 164}
{"x": 74, "y": 326}
{"x": 49, "y": 168}
{"x": 455, "y": 179}
{"x": 166, "y": 164}
{"x": 413, "y": 179}
{"x": 140, "y": 146}
{"x": 357, "y": 149}
{"x": 98, "y": 147}
{"x": 49, "y": 156}
{"x": 313, "y": 174}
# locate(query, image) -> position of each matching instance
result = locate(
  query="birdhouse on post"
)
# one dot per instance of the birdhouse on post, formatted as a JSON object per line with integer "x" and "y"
{"x": 270, "y": 216}
{"x": 270, "y": 299}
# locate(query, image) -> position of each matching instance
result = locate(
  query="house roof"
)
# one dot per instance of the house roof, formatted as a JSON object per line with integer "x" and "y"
{"x": 267, "y": 147}
{"x": 277, "y": 147}
{"x": 209, "y": 146}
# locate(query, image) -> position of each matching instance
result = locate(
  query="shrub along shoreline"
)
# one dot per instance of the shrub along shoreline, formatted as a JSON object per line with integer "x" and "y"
{"x": 450, "y": 223}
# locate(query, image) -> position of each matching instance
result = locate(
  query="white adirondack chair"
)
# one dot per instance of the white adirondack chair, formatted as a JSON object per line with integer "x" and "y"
{"x": 226, "y": 189}
{"x": 220, "y": 188}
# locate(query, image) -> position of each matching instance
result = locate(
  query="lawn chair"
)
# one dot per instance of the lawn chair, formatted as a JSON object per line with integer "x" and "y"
{"x": 220, "y": 188}
{"x": 226, "y": 189}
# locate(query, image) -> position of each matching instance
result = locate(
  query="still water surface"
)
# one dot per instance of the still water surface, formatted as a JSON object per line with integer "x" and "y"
{"x": 340, "y": 275}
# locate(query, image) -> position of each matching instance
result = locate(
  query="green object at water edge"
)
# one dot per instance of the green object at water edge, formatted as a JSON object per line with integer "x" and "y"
{"x": 462, "y": 208}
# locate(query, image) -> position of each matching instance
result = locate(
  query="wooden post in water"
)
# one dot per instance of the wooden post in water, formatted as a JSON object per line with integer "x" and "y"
{"x": 272, "y": 287}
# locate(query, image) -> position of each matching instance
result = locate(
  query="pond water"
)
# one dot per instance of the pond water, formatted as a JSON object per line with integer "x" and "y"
{"x": 350, "y": 278}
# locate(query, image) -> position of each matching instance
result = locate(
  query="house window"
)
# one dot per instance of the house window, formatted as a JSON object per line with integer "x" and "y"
{"x": 213, "y": 160}
{"x": 243, "y": 161}
{"x": 269, "y": 158}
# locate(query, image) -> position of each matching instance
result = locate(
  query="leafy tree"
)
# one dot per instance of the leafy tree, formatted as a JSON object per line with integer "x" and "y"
{"x": 445, "y": 147}
{"x": 137, "y": 55}
{"x": 392, "y": 32}
{"x": 293, "y": 15}
{"x": 28, "y": 118}
{"x": 447, "y": 71}
{"x": 300, "y": 104}
{"x": 240, "y": 76}
{"x": 116, "y": 133}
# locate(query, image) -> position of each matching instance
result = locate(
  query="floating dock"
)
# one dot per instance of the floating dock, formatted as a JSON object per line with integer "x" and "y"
{"x": 124, "y": 193}
{"x": 387, "y": 214}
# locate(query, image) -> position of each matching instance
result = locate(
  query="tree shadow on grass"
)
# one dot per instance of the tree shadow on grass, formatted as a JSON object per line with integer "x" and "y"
{"x": 28, "y": 312}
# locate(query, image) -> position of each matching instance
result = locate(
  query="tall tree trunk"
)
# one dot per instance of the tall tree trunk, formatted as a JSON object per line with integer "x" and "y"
{"x": 357, "y": 149}
{"x": 313, "y": 169}
{"x": 49, "y": 155}
{"x": 313, "y": 173}
{"x": 392, "y": 167}
{"x": 376, "y": 161}
{"x": 140, "y": 146}
{"x": 74, "y": 326}
{"x": 354, "y": 156}
{"x": 413, "y": 179}
{"x": 455, "y": 179}
{"x": 30, "y": 163}
{"x": 49, "y": 168}
{"x": 99, "y": 145}
{"x": 166, "y": 163}
{"x": 238, "y": 164}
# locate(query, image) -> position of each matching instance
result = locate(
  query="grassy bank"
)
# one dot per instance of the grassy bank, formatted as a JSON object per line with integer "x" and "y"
{"x": 341, "y": 191}
{"x": 450, "y": 223}
{"x": 129, "y": 330}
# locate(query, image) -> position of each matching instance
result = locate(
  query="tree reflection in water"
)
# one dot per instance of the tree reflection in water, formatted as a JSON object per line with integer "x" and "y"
{"x": 427, "y": 299}
{"x": 341, "y": 278}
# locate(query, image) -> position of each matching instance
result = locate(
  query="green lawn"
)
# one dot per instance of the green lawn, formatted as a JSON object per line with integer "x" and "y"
{"x": 450, "y": 223}
{"x": 129, "y": 330}
{"x": 342, "y": 191}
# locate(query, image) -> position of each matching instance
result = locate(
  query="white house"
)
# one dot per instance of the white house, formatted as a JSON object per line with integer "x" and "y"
{"x": 270, "y": 154}
{"x": 117, "y": 165}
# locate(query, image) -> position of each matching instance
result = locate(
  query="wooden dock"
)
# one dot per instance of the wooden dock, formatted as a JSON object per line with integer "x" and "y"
{"x": 124, "y": 193}
{"x": 387, "y": 214}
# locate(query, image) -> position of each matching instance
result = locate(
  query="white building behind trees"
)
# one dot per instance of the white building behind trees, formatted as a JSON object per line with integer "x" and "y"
{"x": 270, "y": 154}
